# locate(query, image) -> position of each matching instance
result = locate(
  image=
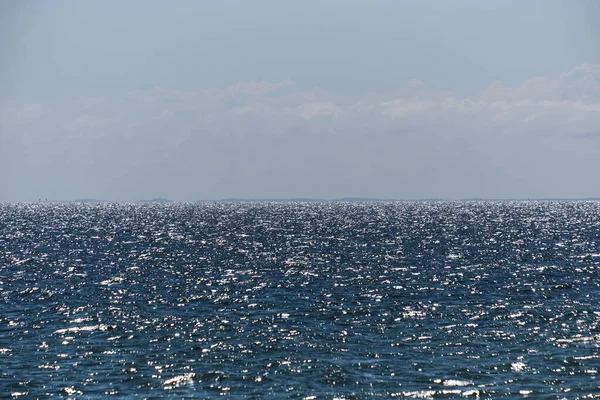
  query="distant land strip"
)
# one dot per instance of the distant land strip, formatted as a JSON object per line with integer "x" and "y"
{"x": 314, "y": 200}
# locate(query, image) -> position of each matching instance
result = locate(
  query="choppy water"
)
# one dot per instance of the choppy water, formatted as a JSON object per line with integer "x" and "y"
{"x": 300, "y": 300}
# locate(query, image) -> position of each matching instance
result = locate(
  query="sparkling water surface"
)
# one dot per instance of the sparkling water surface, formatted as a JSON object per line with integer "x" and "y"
{"x": 300, "y": 300}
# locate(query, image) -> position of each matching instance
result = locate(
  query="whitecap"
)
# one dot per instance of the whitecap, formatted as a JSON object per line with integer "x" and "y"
{"x": 75, "y": 329}
{"x": 421, "y": 394}
{"x": 456, "y": 382}
{"x": 518, "y": 366}
{"x": 185, "y": 379}
{"x": 112, "y": 281}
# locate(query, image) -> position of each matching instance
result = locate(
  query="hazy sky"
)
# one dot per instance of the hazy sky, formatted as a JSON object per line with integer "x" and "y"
{"x": 190, "y": 100}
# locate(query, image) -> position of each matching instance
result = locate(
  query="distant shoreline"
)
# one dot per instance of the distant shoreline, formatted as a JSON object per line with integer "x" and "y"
{"x": 308, "y": 200}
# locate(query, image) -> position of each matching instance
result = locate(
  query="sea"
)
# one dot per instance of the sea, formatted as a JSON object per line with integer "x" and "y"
{"x": 300, "y": 300}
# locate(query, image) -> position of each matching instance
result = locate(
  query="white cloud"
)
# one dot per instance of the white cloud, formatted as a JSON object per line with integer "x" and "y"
{"x": 581, "y": 83}
{"x": 265, "y": 139}
{"x": 532, "y": 89}
{"x": 313, "y": 110}
{"x": 402, "y": 108}
{"x": 20, "y": 114}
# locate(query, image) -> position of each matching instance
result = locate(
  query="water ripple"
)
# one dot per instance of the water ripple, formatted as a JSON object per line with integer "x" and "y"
{"x": 300, "y": 300}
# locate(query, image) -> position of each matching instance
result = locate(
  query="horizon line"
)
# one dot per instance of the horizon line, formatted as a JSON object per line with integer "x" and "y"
{"x": 308, "y": 200}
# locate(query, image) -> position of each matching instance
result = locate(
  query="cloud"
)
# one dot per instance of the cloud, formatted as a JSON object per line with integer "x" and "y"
{"x": 275, "y": 139}
{"x": 25, "y": 113}
{"x": 313, "y": 110}
{"x": 582, "y": 83}
{"x": 402, "y": 107}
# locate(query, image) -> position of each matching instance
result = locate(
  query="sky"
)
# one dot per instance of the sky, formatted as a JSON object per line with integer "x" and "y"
{"x": 196, "y": 100}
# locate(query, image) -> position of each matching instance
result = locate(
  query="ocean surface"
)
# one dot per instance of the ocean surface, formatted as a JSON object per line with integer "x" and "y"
{"x": 300, "y": 300}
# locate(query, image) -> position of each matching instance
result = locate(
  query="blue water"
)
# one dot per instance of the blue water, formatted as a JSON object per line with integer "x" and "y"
{"x": 300, "y": 300}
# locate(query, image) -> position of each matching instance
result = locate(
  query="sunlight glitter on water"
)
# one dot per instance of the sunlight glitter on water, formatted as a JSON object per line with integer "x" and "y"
{"x": 349, "y": 300}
